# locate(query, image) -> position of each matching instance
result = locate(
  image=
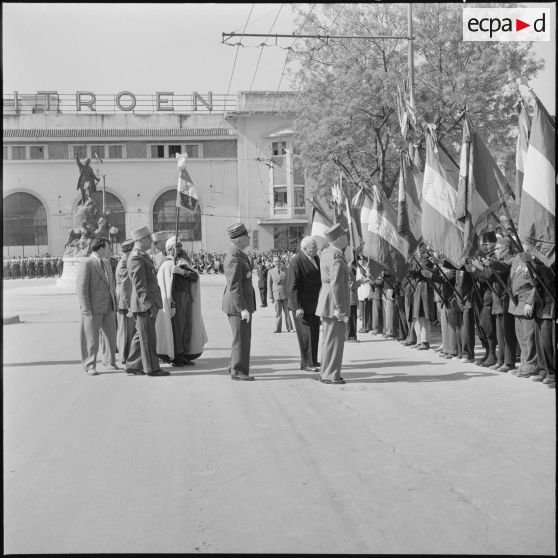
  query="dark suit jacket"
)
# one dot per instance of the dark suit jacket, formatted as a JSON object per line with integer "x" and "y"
{"x": 239, "y": 293}
{"x": 303, "y": 283}
{"x": 145, "y": 289}
{"x": 95, "y": 293}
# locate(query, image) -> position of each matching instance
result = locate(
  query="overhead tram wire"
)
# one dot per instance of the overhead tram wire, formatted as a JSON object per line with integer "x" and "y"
{"x": 263, "y": 44}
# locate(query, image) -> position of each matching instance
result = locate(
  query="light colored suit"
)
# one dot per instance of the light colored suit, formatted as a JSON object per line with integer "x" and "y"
{"x": 334, "y": 295}
{"x": 96, "y": 293}
{"x": 277, "y": 289}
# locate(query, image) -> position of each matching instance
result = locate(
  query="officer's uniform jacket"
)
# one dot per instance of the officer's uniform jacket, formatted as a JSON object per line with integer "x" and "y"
{"x": 145, "y": 289}
{"x": 335, "y": 290}
{"x": 123, "y": 285}
{"x": 522, "y": 286}
{"x": 239, "y": 293}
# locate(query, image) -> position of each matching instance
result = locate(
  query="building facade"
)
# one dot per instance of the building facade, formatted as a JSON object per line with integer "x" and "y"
{"x": 242, "y": 160}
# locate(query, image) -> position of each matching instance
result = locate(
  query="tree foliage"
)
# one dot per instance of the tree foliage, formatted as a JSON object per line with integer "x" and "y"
{"x": 346, "y": 108}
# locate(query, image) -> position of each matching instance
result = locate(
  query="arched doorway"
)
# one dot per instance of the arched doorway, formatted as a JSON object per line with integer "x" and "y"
{"x": 164, "y": 217}
{"x": 25, "y": 225}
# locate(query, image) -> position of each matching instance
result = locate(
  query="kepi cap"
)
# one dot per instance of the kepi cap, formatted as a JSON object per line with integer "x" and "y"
{"x": 334, "y": 232}
{"x": 236, "y": 230}
{"x": 140, "y": 232}
{"x": 127, "y": 245}
{"x": 162, "y": 235}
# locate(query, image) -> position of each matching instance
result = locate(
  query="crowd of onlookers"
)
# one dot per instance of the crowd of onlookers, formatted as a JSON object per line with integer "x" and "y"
{"x": 32, "y": 267}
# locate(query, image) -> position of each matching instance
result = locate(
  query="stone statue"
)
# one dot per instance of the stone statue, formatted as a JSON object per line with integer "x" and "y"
{"x": 87, "y": 182}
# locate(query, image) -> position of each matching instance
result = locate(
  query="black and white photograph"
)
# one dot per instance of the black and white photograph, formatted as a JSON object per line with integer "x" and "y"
{"x": 279, "y": 278}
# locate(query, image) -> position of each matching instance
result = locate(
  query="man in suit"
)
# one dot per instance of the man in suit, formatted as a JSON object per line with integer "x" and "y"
{"x": 239, "y": 301}
{"x": 262, "y": 282}
{"x": 334, "y": 304}
{"x": 97, "y": 301}
{"x": 125, "y": 318}
{"x": 303, "y": 286}
{"x": 277, "y": 288}
{"x": 145, "y": 302}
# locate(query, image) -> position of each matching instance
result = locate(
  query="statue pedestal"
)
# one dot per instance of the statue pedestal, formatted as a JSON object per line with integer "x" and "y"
{"x": 68, "y": 278}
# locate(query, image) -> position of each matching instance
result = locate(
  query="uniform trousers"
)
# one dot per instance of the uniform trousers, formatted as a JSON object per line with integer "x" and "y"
{"x": 377, "y": 316}
{"x": 89, "y": 337}
{"x": 389, "y": 318}
{"x": 507, "y": 341}
{"x": 352, "y": 323}
{"x": 365, "y": 307}
{"x": 124, "y": 334}
{"x": 143, "y": 355}
{"x": 403, "y": 326}
{"x": 263, "y": 296}
{"x": 423, "y": 330}
{"x": 525, "y": 333}
{"x": 488, "y": 326}
{"x": 280, "y": 309}
{"x": 307, "y": 335}
{"x": 545, "y": 335}
{"x": 333, "y": 343}
{"x": 241, "y": 342}
{"x": 182, "y": 323}
{"x": 468, "y": 333}
{"x": 443, "y": 317}
{"x": 455, "y": 318}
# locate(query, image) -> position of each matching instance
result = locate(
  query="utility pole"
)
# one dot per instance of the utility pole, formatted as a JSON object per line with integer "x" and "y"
{"x": 410, "y": 51}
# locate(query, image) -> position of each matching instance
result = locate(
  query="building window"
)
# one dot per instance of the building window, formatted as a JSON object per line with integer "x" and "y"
{"x": 169, "y": 151}
{"x": 5, "y": 152}
{"x": 288, "y": 237}
{"x": 25, "y": 222}
{"x": 117, "y": 215}
{"x": 98, "y": 151}
{"x": 37, "y": 152}
{"x": 299, "y": 204}
{"x": 115, "y": 152}
{"x": 280, "y": 206}
{"x": 19, "y": 152}
{"x": 81, "y": 151}
{"x": 164, "y": 218}
{"x": 279, "y": 148}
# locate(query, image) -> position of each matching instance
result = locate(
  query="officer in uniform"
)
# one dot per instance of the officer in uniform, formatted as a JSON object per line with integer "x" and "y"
{"x": 239, "y": 301}
{"x": 334, "y": 304}
{"x": 145, "y": 302}
{"x": 124, "y": 316}
{"x": 157, "y": 252}
{"x": 521, "y": 306}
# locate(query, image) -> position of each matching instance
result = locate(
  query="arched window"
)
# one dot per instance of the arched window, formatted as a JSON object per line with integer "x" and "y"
{"x": 164, "y": 217}
{"x": 25, "y": 221}
{"x": 117, "y": 215}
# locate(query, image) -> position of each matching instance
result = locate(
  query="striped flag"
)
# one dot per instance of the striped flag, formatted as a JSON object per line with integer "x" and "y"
{"x": 385, "y": 248}
{"x": 186, "y": 196}
{"x": 406, "y": 109}
{"x": 537, "y": 208}
{"x": 347, "y": 216}
{"x": 523, "y": 133}
{"x": 320, "y": 219}
{"x": 482, "y": 188}
{"x": 409, "y": 212}
{"x": 440, "y": 229}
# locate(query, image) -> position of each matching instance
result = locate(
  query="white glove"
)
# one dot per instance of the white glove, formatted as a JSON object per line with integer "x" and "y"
{"x": 245, "y": 315}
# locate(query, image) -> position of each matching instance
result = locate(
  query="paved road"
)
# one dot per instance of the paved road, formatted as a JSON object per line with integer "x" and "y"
{"x": 414, "y": 454}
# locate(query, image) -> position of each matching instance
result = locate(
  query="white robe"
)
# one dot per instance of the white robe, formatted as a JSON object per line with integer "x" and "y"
{"x": 163, "y": 325}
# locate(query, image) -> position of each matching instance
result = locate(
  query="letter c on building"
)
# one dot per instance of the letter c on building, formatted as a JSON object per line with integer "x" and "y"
{"x": 132, "y": 104}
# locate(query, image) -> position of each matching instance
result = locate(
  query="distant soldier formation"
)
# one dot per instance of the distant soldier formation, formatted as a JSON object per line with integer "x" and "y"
{"x": 33, "y": 267}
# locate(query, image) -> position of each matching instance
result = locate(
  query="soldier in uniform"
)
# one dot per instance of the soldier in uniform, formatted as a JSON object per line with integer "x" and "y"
{"x": 262, "y": 282}
{"x": 377, "y": 305}
{"x": 31, "y": 264}
{"x": 239, "y": 301}
{"x": 157, "y": 252}
{"x": 277, "y": 289}
{"x": 125, "y": 318}
{"x": 334, "y": 304}
{"x": 521, "y": 306}
{"x": 16, "y": 268}
{"x": 145, "y": 302}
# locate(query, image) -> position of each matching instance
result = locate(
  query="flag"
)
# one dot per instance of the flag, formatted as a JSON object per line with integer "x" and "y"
{"x": 537, "y": 208}
{"x": 409, "y": 213}
{"x": 320, "y": 219}
{"x": 482, "y": 188}
{"x": 406, "y": 109}
{"x": 523, "y": 133}
{"x": 186, "y": 196}
{"x": 385, "y": 248}
{"x": 440, "y": 229}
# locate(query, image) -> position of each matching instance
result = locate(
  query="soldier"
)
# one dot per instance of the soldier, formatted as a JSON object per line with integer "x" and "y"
{"x": 157, "y": 252}
{"x": 334, "y": 304}
{"x": 145, "y": 302}
{"x": 16, "y": 268}
{"x": 125, "y": 318}
{"x": 377, "y": 305}
{"x": 39, "y": 267}
{"x": 31, "y": 264}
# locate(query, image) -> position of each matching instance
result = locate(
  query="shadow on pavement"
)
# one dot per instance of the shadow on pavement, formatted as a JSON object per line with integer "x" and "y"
{"x": 386, "y": 364}
{"x": 42, "y": 363}
{"x": 412, "y": 378}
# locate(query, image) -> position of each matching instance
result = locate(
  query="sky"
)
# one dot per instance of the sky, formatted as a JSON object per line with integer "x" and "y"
{"x": 145, "y": 48}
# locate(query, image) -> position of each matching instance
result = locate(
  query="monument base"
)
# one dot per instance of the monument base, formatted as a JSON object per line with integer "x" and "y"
{"x": 67, "y": 280}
